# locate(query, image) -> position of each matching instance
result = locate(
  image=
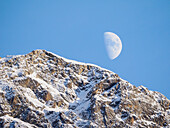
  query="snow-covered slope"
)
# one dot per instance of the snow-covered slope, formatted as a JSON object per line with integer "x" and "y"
{"x": 41, "y": 89}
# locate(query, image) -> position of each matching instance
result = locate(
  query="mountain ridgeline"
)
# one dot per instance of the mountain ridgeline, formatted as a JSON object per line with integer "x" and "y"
{"x": 41, "y": 89}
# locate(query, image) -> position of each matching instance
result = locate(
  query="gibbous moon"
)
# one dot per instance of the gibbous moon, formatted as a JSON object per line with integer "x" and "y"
{"x": 113, "y": 45}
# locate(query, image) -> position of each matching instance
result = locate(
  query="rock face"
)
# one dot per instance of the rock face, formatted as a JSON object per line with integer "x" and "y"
{"x": 41, "y": 89}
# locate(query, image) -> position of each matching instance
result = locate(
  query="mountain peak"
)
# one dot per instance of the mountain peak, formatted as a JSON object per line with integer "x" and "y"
{"x": 42, "y": 89}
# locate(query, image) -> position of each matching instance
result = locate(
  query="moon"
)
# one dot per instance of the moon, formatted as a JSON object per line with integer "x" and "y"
{"x": 113, "y": 45}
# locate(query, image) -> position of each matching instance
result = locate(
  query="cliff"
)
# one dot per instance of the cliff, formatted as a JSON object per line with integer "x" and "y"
{"x": 41, "y": 89}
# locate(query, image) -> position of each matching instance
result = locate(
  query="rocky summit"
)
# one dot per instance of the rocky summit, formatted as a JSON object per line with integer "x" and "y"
{"x": 41, "y": 89}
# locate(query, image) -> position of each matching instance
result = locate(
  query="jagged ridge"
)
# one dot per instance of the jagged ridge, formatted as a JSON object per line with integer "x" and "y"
{"x": 41, "y": 89}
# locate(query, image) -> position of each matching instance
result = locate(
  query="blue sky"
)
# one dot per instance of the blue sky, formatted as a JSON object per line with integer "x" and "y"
{"x": 74, "y": 29}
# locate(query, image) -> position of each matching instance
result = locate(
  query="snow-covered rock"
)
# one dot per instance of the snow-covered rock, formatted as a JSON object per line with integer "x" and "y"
{"x": 41, "y": 89}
